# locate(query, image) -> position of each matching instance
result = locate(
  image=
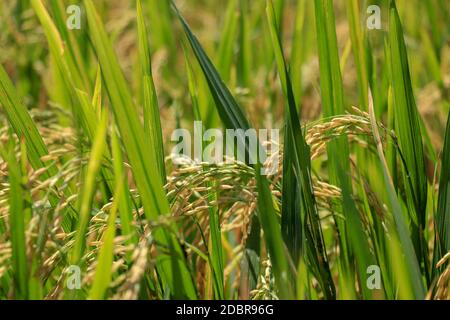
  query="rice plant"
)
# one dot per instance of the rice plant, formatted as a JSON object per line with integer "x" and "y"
{"x": 351, "y": 202}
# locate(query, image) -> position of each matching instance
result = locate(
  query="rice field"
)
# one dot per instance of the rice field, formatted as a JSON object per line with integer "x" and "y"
{"x": 350, "y": 200}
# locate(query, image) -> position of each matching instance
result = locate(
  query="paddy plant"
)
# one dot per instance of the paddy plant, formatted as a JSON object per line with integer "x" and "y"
{"x": 242, "y": 149}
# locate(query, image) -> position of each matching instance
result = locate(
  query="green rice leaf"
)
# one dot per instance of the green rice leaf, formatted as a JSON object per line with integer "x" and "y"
{"x": 21, "y": 122}
{"x": 407, "y": 121}
{"x": 273, "y": 238}
{"x": 125, "y": 205}
{"x": 18, "y": 208}
{"x": 143, "y": 160}
{"x": 88, "y": 190}
{"x": 227, "y": 42}
{"x": 359, "y": 53}
{"x": 298, "y": 178}
{"x": 103, "y": 271}
{"x": 443, "y": 208}
{"x": 152, "y": 121}
{"x": 231, "y": 114}
{"x": 403, "y": 256}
